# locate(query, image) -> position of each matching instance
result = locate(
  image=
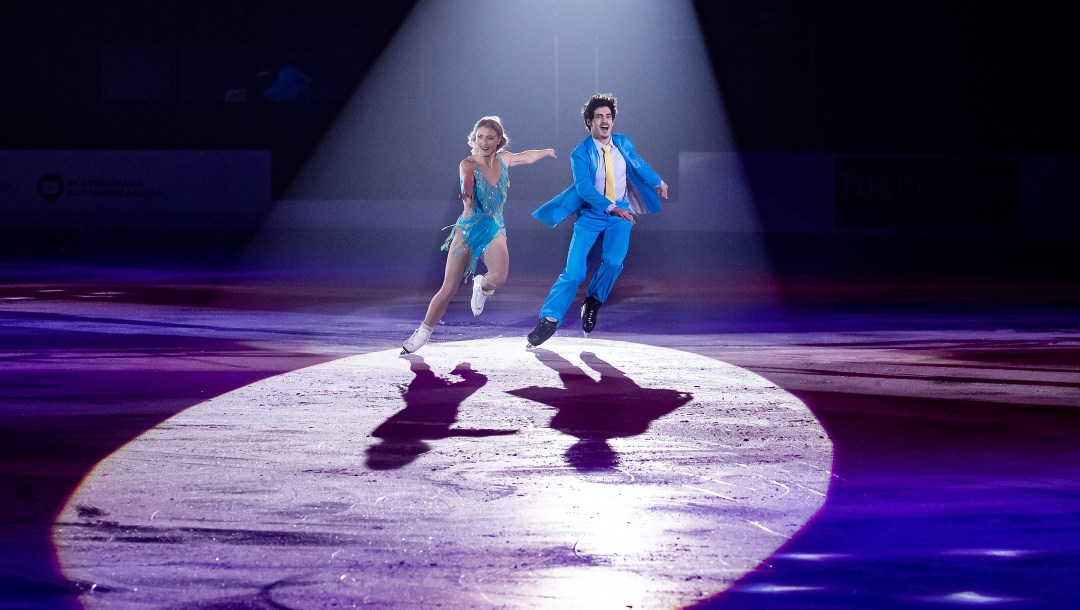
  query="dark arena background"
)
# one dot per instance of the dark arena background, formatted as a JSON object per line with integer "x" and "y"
{"x": 841, "y": 367}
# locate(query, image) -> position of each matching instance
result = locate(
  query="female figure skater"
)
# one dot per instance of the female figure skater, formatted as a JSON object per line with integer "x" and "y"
{"x": 479, "y": 232}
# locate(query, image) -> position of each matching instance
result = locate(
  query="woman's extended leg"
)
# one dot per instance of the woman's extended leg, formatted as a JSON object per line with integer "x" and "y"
{"x": 452, "y": 279}
{"x": 452, "y": 276}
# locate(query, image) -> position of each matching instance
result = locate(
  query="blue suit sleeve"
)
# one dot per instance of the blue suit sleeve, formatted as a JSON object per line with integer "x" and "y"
{"x": 644, "y": 170}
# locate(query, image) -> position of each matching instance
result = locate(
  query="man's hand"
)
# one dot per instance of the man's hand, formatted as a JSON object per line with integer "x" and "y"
{"x": 624, "y": 214}
{"x": 662, "y": 190}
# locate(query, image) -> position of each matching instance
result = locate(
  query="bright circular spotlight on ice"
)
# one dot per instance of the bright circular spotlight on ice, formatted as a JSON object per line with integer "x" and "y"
{"x": 473, "y": 474}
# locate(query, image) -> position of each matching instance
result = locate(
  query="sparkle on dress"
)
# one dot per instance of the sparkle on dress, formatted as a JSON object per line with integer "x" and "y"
{"x": 486, "y": 220}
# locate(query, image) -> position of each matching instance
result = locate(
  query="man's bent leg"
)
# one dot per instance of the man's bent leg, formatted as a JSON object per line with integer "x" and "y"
{"x": 564, "y": 290}
{"x": 614, "y": 246}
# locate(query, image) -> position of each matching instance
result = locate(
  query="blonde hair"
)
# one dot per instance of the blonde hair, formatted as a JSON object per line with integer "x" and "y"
{"x": 492, "y": 122}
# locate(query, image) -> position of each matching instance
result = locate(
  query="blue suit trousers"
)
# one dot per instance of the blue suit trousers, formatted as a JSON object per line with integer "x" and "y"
{"x": 614, "y": 245}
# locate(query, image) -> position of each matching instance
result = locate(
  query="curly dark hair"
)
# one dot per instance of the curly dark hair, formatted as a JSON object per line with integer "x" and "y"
{"x": 596, "y": 101}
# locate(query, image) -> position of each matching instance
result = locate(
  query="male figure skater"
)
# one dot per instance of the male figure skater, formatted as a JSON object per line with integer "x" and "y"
{"x": 611, "y": 185}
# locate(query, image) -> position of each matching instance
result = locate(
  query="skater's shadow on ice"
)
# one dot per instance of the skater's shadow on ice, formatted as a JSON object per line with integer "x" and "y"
{"x": 431, "y": 409}
{"x": 594, "y": 411}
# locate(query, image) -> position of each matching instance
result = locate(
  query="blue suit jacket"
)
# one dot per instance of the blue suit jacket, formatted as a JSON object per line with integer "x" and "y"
{"x": 641, "y": 183}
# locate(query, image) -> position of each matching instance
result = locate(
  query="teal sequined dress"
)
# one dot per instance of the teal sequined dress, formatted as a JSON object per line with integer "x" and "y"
{"x": 486, "y": 221}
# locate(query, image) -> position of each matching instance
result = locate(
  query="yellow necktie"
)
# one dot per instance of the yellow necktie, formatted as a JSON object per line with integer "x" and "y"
{"x": 609, "y": 172}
